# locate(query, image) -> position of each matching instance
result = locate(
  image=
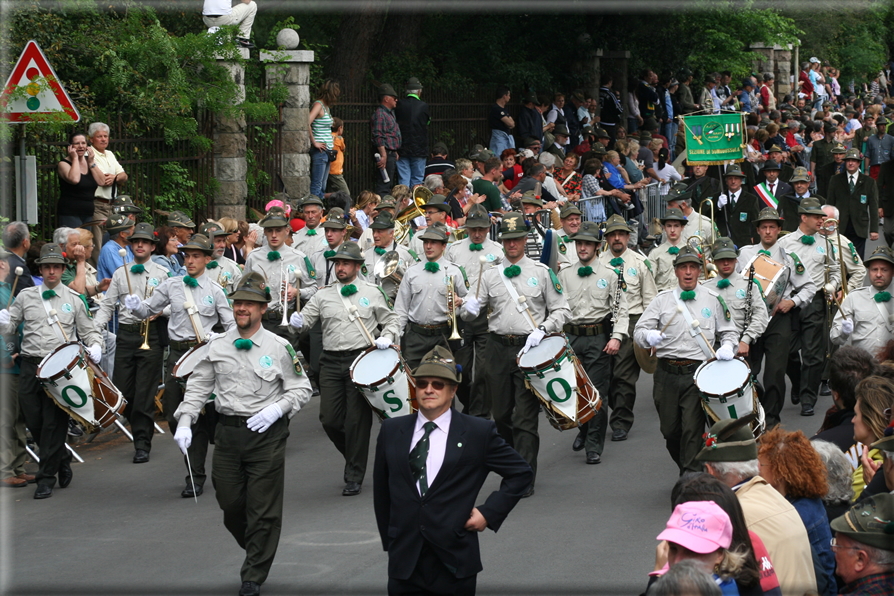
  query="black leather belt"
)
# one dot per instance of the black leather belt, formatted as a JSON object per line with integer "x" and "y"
{"x": 678, "y": 367}
{"x": 236, "y": 421}
{"x": 510, "y": 340}
{"x": 585, "y": 330}
{"x": 33, "y": 359}
{"x": 184, "y": 345}
{"x": 429, "y": 330}
{"x": 132, "y": 327}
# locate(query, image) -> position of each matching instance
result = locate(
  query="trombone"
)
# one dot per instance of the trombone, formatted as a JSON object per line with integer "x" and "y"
{"x": 284, "y": 290}
{"x": 147, "y": 292}
{"x": 451, "y": 308}
{"x": 421, "y": 196}
{"x": 700, "y": 245}
{"x": 830, "y": 226}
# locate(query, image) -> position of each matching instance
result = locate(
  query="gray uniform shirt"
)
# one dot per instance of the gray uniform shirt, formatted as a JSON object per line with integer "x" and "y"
{"x": 227, "y": 273}
{"x": 340, "y": 333}
{"x": 39, "y": 336}
{"x": 142, "y": 283}
{"x": 372, "y": 258}
{"x": 680, "y": 344}
{"x": 295, "y": 265}
{"x": 547, "y": 304}
{"x": 309, "y": 244}
{"x": 325, "y": 271}
{"x": 735, "y": 295}
{"x": 569, "y": 254}
{"x": 853, "y": 264}
{"x": 422, "y": 297}
{"x": 814, "y": 257}
{"x": 637, "y": 271}
{"x": 256, "y": 378}
{"x": 459, "y": 253}
{"x": 208, "y": 297}
{"x": 800, "y": 288}
{"x": 873, "y": 325}
{"x": 663, "y": 262}
{"x": 592, "y": 297}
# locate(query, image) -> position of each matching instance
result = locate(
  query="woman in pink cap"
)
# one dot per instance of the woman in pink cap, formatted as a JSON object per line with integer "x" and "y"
{"x": 701, "y": 531}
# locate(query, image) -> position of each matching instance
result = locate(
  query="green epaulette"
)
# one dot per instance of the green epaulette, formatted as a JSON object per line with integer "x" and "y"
{"x": 562, "y": 248}
{"x": 86, "y": 306}
{"x": 854, "y": 253}
{"x": 413, "y": 254}
{"x": 295, "y": 361}
{"x": 385, "y": 296}
{"x": 799, "y": 266}
{"x": 726, "y": 313}
{"x": 649, "y": 266}
{"x": 310, "y": 268}
{"x": 552, "y": 275}
{"x": 465, "y": 277}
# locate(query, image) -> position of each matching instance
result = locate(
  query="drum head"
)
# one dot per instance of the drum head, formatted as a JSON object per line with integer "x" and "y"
{"x": 188, "y": 361}
{"x": 375, "y": 366}
{"x": 59, "y": 360}
{"x": 548, "y": 349}
{"x": 720, "y": 377}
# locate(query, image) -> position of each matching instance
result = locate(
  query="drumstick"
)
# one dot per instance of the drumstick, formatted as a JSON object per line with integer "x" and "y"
{"x": 123, "y": 254}
{"x": 193, "y": 482}
{"x": 58, "y": 322}
{"x": 666, "y": 325}
{"x": 19, "y": 272}
{"x": 189, "y": 306}
{"x": 362, "y": 326}
{"x": 695, "y": 325}
{"x": 482, "y": 259}
{"x": 523, "y": 300}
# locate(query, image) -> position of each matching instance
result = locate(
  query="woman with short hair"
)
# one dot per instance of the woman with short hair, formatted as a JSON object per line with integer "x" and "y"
{"x": 319, "y": 124}
{"x": 872, "y": 413}
{"x": 79, "y": 177}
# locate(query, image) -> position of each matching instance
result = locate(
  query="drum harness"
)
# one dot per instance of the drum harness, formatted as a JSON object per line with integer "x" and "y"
{"x": 694, "y": 329}
{"x": 355, "y": 318}
{"x": 52, "y": 319}
{"x": 519, "y": 304}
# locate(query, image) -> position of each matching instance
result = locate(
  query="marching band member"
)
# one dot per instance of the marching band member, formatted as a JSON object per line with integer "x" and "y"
{"x": 637, "y": 272}
{"x": 310, "y": 239}
{"x": 681, "y": 349}
{"x": 210, "y": 307}
{"x": 436, "y": 211}
{"x": 775, "y": 340}
{"x": 272, "y": 263}
{"x": 664, "y": 254}
{"x": 48, "y": 422}
{"x": 514, "y": 406}
{"x": 808, "y": 249}
{"x": 383, "y": 237}
{"x": 853, "y": 265}
{"x": 595, "y": 296}
{"x": 748, "y": 314}
{"x": 680, "y": 197}
{"x": 265, "y": 387}
{"x": 366, "y": 240}
{"x": 571, "y": 223}
{"x": 800, "y": 182}
{"x": 421, "y": 304}
{"x": 344, "y": 412}
{"x": 467, "y": 254}
{"x": 227, "y": 270}
{"x": 137, "y": 372}
{"x": 865, "y": 319}
{"x": 13, "y": 450}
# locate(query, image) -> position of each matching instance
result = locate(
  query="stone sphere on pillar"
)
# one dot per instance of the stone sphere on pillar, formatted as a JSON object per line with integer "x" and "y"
{"x": 287, "y": 39}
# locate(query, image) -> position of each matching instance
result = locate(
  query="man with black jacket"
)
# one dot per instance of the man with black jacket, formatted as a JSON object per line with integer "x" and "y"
{"x": 413, "y": 118}
{"x": 648, "y": 99}
{"x": 530, "y": 121}
{"x": 611, "y": 113}
{"x": 736, "y": 209}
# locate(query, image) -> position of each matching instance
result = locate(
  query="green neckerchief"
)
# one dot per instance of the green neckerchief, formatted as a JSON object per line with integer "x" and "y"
{"x": 687, "y": 295}
{"x": 673, "y": 250}
{"x": 47, "y": 294}
{"x": 512, "y": 271}
{"x": 190, "y": 281}
{"x": 432, "y": 267}
{"x": 311, "y": 231}
{"x": 380, "y": 251}
{"x": 764, "y": 252}
{"x": 273, "y": 255}
{"x": 329, "y": 253}
{"x": 243, "y": 344}
{"x": 348, "y": 290}
{"x": 882, "y": 297}
{"x": 138, "y": 268}
{"x": 722, "y": 283}
{"x": 211, "y": 265}
{"x": 473, "y": 247}
{"x": 585, "y": 271}
{"x": 616, "y": 262}
{"x": 808, "y": 240}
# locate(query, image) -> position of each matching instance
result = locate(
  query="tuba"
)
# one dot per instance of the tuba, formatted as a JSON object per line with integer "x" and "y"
{"x": 421, "y": 196}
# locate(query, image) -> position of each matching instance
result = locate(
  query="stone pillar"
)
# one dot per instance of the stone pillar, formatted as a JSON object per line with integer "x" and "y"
{"x": 229, "y": 153}
{"x": 783, "y": 69}
{"x": 291, "y": 68}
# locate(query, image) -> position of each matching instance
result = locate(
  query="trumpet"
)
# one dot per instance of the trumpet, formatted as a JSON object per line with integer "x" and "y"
{"x": 830, "y": 225}
{"x": 284, "y": 291}
{"x": 451, "y": 308}
{"x": 144, "y": 324}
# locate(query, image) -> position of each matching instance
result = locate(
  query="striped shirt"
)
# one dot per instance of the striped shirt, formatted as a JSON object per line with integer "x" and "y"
{"x": 322, "y": 126}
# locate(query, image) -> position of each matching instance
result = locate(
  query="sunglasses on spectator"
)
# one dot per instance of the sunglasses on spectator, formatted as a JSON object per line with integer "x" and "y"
{"x": 436, "y": 385}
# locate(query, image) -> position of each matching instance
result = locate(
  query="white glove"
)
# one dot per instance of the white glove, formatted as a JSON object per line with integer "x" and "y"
{"x": 4, "y": 317}
{"x": 655, "y": 337}
{"x": 263, "y": 419}
{"x": 132, "y": 301}
{"x": 722, "y": 200}
{"x": 296, "y": 320}
{"x": 533, "y": 340}
{"x": 725, "y": 352}
{"x": 472, "y": 305}
{"x": 212, "y": 335}
{"x": 847, "y": 326}
{"x": 95, "y": 353}
{"x": 382, "y": 343}
{"x": 183, "y": 437}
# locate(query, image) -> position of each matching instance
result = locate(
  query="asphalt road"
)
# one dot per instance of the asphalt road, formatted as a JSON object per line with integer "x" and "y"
{"x": 122, "y": 528}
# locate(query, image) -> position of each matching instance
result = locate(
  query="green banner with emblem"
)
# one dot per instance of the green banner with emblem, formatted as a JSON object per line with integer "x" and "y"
{"x": 715, "y": 139}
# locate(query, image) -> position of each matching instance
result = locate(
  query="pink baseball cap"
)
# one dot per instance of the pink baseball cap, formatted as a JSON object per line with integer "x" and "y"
{"x": 277, "y": 203}
{"x": 700, "y": 526}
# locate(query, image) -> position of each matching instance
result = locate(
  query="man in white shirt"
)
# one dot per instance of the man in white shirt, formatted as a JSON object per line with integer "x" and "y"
{"x": 219, "y": 13}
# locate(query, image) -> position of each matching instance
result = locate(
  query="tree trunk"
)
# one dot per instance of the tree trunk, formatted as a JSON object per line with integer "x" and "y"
{"x": 402, "y": 33}
{"x": 349, "y": 62}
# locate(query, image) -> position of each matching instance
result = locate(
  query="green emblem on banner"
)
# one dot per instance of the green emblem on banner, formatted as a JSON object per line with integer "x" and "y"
{"x": 714, "y": 139}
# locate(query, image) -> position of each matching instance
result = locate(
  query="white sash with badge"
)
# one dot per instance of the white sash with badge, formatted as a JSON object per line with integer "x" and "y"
{"x": 351, "y": 316}
{"x": 51, "y": 319}
{"x": 886, "y": 316}
{"x": 693, "y": 330}
{"x": 519, "y": 305}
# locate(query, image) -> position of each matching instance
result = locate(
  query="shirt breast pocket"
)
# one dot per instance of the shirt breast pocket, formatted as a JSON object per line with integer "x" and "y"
{"x": 206, "y": 306}
{"x": 266, "y": 370}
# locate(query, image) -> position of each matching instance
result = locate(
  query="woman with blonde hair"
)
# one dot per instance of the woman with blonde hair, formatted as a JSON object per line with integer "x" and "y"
{"x": 319, "y": 125}
{"x": 790, "y": 464}
{"x": 875, "y": 398}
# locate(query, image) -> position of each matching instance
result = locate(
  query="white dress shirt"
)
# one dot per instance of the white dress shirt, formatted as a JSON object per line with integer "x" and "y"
{"x": 437, "y": 443}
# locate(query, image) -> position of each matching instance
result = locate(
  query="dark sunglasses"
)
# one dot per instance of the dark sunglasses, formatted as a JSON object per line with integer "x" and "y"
{"x": 423, "y": 384}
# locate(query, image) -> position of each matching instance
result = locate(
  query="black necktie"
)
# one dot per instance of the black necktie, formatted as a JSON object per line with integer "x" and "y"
{"x": 851, "y": 182}
{"x": 418, "y": 455}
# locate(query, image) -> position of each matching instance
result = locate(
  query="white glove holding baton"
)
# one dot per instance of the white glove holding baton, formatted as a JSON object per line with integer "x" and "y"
{"x": 4, "y": 317}
{"x": 472, "y": 305}
{"x": 722, "y": 200}
{"x": 725, "y": 352}
{"x": 95, "y": 353}
{"x": 296, "y": 320}
{"x": 263, "y": 419}
{"x": 132, "y": 302}
{"x": 847, "y": 326}
{"x": 655, "y": 337}
{"x": 382, "y": 343}
{"x": 183, "y": 437}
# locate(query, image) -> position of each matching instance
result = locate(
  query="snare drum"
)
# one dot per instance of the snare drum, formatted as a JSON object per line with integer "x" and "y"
{"x": 771, "y": 277}
{"x": 558, "y": 379}
{"x": 188, "y": 362}
{"x": 382, "y": 378}
{"x": 80, "y": 387}
{"x": 727, "y": 391}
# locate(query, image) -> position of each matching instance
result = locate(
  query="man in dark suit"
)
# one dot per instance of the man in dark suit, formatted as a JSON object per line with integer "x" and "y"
{"x": 702, "y": 186}
{"x": 776, "y": 154}
{"x": 885, "y": 185}
{"x": 736, "y": 209}
{"x": 788, "y": 204}
{"x": 856, "y": 196}
{"x": 428, "y": 471}
{"x": 530, "y": 121}
{"x": 825, "y": 172}
{"x": 772, "y": 186}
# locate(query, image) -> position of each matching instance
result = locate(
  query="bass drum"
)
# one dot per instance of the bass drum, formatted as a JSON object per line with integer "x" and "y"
{"x": 382, "y": 378}
{"x": 728, "y": 392}
{"x": 771, "y": 278}
{"x": 188, "y": 362}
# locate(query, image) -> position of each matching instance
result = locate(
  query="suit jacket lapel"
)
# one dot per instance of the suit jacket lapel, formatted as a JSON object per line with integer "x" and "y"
{"x": 452, "y": 453}
{"x": 403, "y": 449}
